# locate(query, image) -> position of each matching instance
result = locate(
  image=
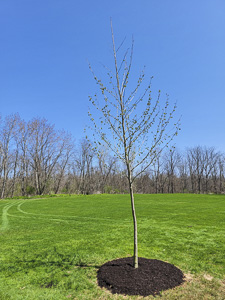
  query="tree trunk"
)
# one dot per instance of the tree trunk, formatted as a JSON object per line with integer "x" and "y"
{"x": 14, "y": 174}
{"x": 135, "y": 224}
{"x": 5, "y": 177}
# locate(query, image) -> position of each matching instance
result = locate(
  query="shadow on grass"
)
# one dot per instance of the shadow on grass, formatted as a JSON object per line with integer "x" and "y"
{"x": 39, "y": 263}
{"x": 46, "y": 260}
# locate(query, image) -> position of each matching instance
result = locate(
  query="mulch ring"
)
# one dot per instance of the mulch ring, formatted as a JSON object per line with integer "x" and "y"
{"x": 150, "y": 278}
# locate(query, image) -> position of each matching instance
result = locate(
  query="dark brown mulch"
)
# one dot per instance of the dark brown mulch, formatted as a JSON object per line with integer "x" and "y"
{"x": 150, "y": 278}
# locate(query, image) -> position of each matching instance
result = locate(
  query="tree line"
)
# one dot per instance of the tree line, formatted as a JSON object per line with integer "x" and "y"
{"x": 37, "y": 159}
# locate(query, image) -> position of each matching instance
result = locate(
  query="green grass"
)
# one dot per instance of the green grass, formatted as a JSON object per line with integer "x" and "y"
{"x": 51, "y": 248}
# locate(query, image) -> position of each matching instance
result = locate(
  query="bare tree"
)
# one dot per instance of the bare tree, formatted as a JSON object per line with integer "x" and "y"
{"x": 133, "y": 136}
{"x": 183, "y": 174}
{"x": 15, "y": 170}
{"x": 203, "y": 168}
{"x": 22, "y": 139}
{"x": 171, "y": 161}
{"x": 7, "y": 144}
{"x": 84, "y": 165}
{"x": 46, "y": 146}
{"x": 196, "y": 167}
{"x": 63, "y": 161}
{"x": 159, "y": 179}
{"x": 105, "y": 165}
{"x": 210, "y": 157}
{"x": 221, "y": 165}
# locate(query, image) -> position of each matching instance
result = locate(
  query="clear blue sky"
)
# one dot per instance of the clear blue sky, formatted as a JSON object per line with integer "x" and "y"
{"x": 45, "y": 46}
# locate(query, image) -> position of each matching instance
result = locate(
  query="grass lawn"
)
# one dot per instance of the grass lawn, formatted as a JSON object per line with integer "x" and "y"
{"x": 51, "y": 248}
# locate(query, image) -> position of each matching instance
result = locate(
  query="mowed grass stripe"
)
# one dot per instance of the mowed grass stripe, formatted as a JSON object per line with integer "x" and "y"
{"x": 5, "y": 215}
{"x": 62, "y": 216}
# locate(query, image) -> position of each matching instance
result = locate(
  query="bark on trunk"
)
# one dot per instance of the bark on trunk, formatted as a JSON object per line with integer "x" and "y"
{"x": 135, "y": 226}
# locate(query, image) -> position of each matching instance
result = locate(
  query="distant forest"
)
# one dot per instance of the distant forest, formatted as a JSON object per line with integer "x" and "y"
{"x": 37, "y": 159}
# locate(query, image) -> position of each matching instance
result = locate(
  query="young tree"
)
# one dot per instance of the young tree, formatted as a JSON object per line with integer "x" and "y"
{"x": 132, "y": 134}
